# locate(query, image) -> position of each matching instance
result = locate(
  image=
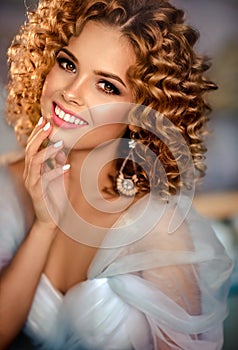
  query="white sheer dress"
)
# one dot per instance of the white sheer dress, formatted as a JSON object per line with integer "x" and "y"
{"x": 145, "y": 289}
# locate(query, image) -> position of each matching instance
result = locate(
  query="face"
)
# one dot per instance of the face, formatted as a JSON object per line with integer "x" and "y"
{"x": 86, "y": 95}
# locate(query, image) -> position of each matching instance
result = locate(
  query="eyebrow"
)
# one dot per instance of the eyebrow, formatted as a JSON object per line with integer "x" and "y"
{"x": 69, "y": 54}
{"x": 103, "y": 74}
{"x": 110, "y": 75}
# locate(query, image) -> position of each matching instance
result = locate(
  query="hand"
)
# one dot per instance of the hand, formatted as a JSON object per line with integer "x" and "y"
{"x": 47, "y": 186}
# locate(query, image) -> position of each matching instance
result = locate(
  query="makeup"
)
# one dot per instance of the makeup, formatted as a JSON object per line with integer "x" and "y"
{"x": 66, "y": 120}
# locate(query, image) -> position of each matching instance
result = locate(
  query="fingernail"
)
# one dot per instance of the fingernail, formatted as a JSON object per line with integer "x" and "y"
{"x": 58, "y": 144}
{"x": 47, "y": 126}
{"x": 66, "y": 167}
{"x": 40, "y": 121}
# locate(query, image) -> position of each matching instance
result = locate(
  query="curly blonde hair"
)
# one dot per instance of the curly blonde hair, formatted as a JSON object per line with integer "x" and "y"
{"x": 168, "y": 78}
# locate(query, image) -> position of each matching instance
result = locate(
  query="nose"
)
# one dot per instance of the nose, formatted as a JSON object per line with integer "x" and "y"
{"x": 74, "y": 93}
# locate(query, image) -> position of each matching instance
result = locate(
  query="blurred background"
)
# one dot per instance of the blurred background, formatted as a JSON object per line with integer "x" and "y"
{"x": 217, "y": 197}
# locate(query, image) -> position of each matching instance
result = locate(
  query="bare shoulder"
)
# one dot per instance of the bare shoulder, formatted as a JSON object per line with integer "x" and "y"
{"x": 170, "y": 230}
{"x": 16, "y": 171}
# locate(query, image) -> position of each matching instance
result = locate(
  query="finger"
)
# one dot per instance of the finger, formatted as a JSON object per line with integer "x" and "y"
{"x": 44, "y": 126}
{"x": 52, "y": 175}
{"x": 55, "y": 189}
{"x": 35, "y": 168}
{"x": 37, "y": 140}
{"x": 52, "y": 150}
{"x": 39, "y": 135}
{"x": 41, "y": 123}
{"x": 45, "y": 168}
{"x": 60, "y": 158}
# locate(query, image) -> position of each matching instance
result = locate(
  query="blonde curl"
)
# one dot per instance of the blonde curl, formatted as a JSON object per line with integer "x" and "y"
{"x": 168, "y": 77}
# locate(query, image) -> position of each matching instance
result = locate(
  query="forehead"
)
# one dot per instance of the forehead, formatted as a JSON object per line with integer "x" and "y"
{"x": 103, "y": 45}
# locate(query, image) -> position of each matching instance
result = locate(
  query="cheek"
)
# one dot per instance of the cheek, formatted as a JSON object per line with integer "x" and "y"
{"x": 101, "y": 135}
{"x": 110, "y": 114}
{"x": 48, "y": 91}
{"x": 48, "y": 86}
{"x": 45, "y": 93}
{"x": 51, "y": 84}
{"x": 112, "y": 131}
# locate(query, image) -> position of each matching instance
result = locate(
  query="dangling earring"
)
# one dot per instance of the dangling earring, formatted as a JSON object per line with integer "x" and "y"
{"x": 127, "y": 186}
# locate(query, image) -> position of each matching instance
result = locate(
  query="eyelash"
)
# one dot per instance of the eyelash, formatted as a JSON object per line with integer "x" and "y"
{"x": 64, "y": 62}
{"x": 114, "y": 90}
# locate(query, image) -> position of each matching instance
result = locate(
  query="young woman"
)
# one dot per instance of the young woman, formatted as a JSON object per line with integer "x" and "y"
{"x": 100, "y": 247}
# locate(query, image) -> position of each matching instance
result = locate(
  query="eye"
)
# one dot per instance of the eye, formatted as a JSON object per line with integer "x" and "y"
{"x": 108, "y": 87}
{"x": 66, "y": 64}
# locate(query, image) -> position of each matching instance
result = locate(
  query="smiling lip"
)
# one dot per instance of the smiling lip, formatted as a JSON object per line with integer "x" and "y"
{"x": 65, "y": 119}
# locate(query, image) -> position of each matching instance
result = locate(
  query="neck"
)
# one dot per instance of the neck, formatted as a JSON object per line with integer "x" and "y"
{"x": 91, "y": 169}
{"x": 89, "y": 176}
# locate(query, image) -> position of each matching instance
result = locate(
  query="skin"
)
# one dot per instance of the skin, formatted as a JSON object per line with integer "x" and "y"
{"x": 98, "y": 51}
{"x": 77, "y": 87}
{"x": 79, "y": 84}
{"x": 89, "y": 80}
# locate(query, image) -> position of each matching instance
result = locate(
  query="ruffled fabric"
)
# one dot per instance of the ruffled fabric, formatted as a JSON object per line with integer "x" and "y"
{"x": 146, "y": 288}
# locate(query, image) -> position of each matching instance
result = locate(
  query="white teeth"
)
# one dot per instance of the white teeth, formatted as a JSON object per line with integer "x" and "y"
{"x": 68, "y": 118}
{"x": 72, "y": 119}
{"x": 57, "y": 110}
{"x": 61, "y": 114}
